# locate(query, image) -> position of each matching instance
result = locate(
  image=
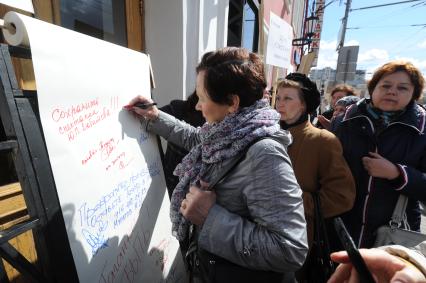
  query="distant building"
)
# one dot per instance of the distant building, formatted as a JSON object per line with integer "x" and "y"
{"x": 359, "y": 78}
{"x": 325, "y": 80}
{"x": 329, "y": 74}
{"x": 326, "y": 74}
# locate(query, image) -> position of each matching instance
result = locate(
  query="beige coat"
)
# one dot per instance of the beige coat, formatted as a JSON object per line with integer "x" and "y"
{"x": 318, "y": 163}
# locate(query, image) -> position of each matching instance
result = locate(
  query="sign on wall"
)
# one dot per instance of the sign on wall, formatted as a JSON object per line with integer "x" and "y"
{"x": 278, "y": 50}
{"x": 316, "y": 38}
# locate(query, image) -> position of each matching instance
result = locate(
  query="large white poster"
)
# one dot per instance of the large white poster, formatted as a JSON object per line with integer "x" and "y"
{"x": 278, "y": 50}
{"x": 107, "y": 169}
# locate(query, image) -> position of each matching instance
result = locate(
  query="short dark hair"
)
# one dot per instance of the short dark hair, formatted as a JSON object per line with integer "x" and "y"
{"x": 414, "y": 73}
{"x": 233, "y": 71}
{"x": 349, "y": 90}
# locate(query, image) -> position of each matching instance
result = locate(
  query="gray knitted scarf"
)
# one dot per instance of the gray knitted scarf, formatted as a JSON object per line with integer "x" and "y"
{"x": 219, "y": 141}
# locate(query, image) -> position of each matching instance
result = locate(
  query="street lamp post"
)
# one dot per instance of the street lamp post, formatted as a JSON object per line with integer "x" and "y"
{"x": 309, "y": 28}
{"x": 310, "y": 24}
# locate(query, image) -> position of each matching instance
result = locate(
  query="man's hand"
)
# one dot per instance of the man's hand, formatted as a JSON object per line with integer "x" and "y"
{"x": 384, "y": 267}
{"x": 325, "y": 123}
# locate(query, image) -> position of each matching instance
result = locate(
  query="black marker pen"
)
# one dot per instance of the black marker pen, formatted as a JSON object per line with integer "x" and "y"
{"x": 140, "y": 105}
{"x": 353, "y": 253}
{"x": 144, "y": 105}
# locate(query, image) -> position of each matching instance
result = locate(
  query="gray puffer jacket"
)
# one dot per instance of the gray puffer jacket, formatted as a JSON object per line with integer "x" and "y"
{"x": 258, "y": 220}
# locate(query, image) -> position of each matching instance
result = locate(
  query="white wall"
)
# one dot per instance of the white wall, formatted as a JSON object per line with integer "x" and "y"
{"x": 178, "y": 33}
{"x": 163, "y": 37}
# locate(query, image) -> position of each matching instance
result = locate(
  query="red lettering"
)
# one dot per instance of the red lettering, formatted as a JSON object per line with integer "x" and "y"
{"x": 73, "y": 134}
{"x": 316, "y": 35}
{"x": 58, "y": 114}
{"x": 92, "y": 152}
{"x": 107, "y": 148}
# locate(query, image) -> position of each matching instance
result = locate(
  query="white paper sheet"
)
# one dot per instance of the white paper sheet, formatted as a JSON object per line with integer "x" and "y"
{"x": 278, "y": 50}
{"x": 107, "y": 169}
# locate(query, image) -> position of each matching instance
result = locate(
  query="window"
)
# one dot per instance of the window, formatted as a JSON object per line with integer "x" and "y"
{"x": 243, "y": 24}
{"x": 103, "y": 19}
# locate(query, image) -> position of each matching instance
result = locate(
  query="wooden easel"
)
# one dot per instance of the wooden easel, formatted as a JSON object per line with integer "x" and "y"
{"x": 25, "y": 143}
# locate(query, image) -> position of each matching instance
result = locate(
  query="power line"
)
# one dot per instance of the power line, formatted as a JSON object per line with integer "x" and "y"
{"x": 382, "y": 5}
{"x": 403, "y": 43}
{"x": 388, "y": 16}
{"x": 388, "y": 26}
{"x": 419, "y": 4}
{"x": 321, "y": 8}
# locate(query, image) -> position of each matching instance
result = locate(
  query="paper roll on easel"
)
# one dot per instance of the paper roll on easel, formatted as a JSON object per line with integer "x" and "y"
{"x": 17, "y": 35}
{"x": 107, "y": 170}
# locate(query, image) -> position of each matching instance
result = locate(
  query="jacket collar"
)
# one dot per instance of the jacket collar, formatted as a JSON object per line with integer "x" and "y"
{"x": 300, "y": 128}
{"x": 414, "y": 117}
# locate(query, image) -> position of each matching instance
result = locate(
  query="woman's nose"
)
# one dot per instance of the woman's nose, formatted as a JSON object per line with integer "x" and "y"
{"x": 393, "y": 90}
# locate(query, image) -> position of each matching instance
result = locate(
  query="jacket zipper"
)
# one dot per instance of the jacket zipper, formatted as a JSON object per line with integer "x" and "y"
{"x": 370, "y": 181}
{"x": 408, "y": 125}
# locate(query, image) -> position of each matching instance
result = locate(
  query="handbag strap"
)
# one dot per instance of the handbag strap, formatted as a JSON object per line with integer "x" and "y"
{"x": 321, "y": 231}
{"x": 399, "y": 211}
{"x": 235, "y": 161}
{"x": 318, "y": 218}
{"x": 321, "y": 236}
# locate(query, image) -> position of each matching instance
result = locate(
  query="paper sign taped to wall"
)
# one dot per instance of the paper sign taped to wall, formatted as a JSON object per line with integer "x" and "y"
{"x": 278, "y": 50}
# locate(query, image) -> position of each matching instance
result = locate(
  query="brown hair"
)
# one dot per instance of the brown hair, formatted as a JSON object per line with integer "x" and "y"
{"x": 349, "y": 90}
{"x": 414, "y": 73}
{"x": 233, "y": 71}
